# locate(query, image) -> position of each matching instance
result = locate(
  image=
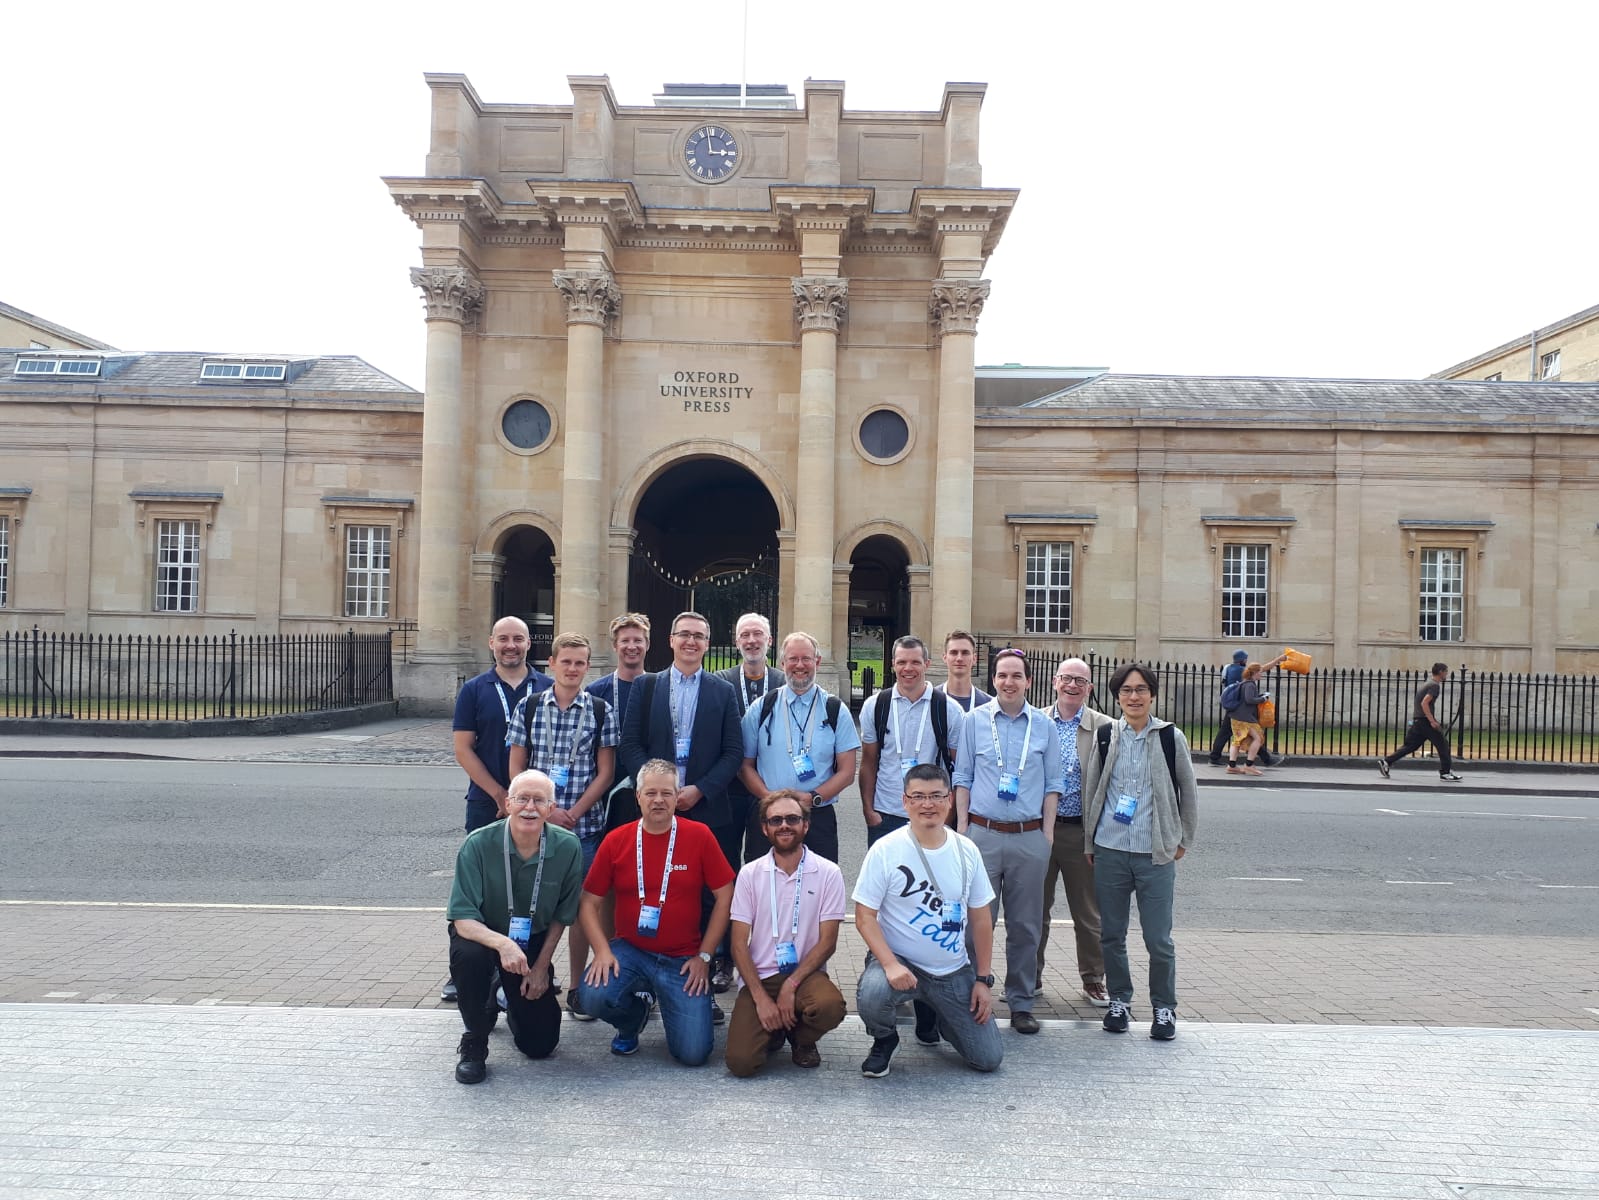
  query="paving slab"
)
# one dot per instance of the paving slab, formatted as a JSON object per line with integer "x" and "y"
{"x": 182, "y": 1101}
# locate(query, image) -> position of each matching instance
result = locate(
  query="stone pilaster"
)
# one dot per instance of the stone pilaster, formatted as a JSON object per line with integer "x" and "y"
{"x": 820, "y": 303}
{"x": 592, "y": 302}
{"x": 453, "y": 296}
{"x": 953, "y": 308}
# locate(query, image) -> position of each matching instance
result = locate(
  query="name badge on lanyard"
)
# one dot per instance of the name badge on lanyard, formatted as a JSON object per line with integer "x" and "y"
{"x": 908, "y": 749}
{"x": 521, "y": 928}
{"x": 1010, "y": 782}
{"x": 649, "y": 915}
{"x": 804, "y": 767}
{"x": 952, "y": 913}
{"x": 787, "y": 952}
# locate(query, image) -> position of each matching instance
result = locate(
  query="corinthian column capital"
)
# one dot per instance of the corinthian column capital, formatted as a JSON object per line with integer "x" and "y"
{"x": 955, "y": 305}
{"x": 820, "y": 302}
{"x": 592, "y": 297}
{"x": 450, "y": 293}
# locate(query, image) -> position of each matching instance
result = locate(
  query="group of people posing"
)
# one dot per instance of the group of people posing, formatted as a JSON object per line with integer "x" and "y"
{"x": 617, "y": 815}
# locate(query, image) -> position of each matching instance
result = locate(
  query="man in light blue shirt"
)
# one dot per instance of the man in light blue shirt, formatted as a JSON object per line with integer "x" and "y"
{"x": 1008, "y": 781}
{"x": 800, "y": 737}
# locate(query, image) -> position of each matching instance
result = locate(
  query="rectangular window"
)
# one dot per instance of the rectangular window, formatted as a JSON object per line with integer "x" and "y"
{"x": 1549, "y": 365}
{"x": 366, "y": 570}
{"x": 5, "y": 558}
{"x": 1443, "y": 595}
{"x": 177, "y": 566}
{"x": 1048, "y": 603}
{"x": 1496, "y": 377}
{"x": 242, "y": 370}
{"x": 1244, "y": 590}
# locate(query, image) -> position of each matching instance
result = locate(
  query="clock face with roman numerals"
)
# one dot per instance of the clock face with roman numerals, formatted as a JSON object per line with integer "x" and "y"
{"x": 710, "y": 153}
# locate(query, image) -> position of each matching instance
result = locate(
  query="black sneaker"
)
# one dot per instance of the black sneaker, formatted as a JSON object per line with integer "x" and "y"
{"x": 1164, "y": 1026}
{"x": 927, "y": 1024}
{"x": 717, "y": 1015}
{"x": 1382, "y": 765}
{"x": 876, "y": 1064}
{"x": 1449, "y": 777}
{"x": 447, "y": 992}
{"x": 474, "y": 1052}
{"x": 1215, "y": 762}
{"x": 721, "y": 976}
{"x": 1116, "y": 1017}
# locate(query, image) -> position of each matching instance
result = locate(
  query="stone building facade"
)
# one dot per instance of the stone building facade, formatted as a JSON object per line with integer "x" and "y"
{"x": 1567, "y": 350}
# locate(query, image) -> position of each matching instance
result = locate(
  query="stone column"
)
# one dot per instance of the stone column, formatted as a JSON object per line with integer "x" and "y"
{"x": 592, "y": 301}
{"x": 453, "y": 296}
{"x": 953, "y": 308}
{"x": 819, "y": 303}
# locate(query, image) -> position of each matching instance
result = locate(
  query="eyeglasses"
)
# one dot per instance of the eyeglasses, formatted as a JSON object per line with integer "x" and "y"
{"x": 1133, "y": 691}
{"x": 999, "y": 654}
{"x": 1081, "y": 681}
{"x": 690, "y": 636}
{"x": 795, "y": 819}
{"x": 524, "y": 801}
{"x": 926, "y": 797}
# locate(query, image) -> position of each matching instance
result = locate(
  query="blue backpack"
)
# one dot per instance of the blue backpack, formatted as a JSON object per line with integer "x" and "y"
{"x": 1232, "y": 696}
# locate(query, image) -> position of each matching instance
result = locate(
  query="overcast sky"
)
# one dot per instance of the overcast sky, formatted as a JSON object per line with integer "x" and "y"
{"x": 1352, "y": 189}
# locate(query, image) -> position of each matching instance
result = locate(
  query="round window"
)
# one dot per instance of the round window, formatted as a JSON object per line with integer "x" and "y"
{"x": 884, "y": 434}
{"x": 526, "y": 424}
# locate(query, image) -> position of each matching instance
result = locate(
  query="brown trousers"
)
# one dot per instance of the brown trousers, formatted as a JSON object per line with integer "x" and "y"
{"x": 818, "y": 1007}
{"x": 1066, "y": 863}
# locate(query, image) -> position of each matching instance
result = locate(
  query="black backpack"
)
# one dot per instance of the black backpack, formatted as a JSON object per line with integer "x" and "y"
{"x": 769, "y": 705}
{"x": 940, "y": 716}
{"x": 1168, "y": 746}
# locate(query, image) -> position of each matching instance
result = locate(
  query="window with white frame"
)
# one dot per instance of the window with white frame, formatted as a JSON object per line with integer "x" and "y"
{"x": 5, "y": 559}
{"x": 1496, "y": 377}
{"x": 177, "y": 566}
{"x": 1442, "y": 601}
{"x": 368, "y": 560}
{"x": 1047, "y": 606}
{"x": 1549, "y": 365}
{"x": 1245, "y": 590}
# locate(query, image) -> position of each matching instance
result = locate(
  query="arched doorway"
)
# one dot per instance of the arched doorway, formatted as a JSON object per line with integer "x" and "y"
{"x": 879, "y": 606}
{"x": 526, "y": 587}
{"x": 705, "y": 538}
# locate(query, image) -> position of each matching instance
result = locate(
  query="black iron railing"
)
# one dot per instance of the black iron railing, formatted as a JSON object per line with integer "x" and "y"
{"x": 100, "y": 677}
{"x": 1355, "y": 712}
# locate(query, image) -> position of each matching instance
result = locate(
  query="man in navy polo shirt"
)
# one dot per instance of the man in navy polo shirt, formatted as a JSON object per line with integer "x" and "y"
{"x": 482, "y": 713}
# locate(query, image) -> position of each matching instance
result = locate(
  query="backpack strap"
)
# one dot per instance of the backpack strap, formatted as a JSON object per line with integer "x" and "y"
{"x": 830, "y": 720}
{"x": 768, "y": 705}
{"x": 599, "y": 716}
{"x": 940, "y": 702}
{"x": 1168, "y": 746}
{"x": 880, "y": 713}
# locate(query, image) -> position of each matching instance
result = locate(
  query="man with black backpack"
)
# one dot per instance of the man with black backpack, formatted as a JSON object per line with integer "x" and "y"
{"x": 911, "y": 723}
{"x": 1232, "y": 674}
{"x": 799, "y": 737}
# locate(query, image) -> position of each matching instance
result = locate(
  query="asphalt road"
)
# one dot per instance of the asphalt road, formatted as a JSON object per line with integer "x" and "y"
{"x": 1267, "y": 859}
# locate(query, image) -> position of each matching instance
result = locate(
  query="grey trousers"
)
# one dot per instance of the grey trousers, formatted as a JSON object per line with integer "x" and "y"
{"x": 1016, "y": 863}
{"x": 1118, "y": 877}
{"x": 1067, "y": 864}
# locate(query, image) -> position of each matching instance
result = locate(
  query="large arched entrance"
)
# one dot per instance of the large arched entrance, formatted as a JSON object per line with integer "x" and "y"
{"x": 705, "y": 538}
{"x": 526, "y": 586}
{"x": 879, "y": 607}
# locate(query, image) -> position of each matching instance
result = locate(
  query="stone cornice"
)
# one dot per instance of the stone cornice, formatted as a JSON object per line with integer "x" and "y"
{"x": 605, "y": 202}
{"x": 471, "y": 202}
{"x": 820, "y": 302}
{"x": 955, "y": 305}
{"x": 937, "y": 211}
{"x": 833, "y": 209}
{"x": 450, "y": 293}
{"x": 592, "y": 297}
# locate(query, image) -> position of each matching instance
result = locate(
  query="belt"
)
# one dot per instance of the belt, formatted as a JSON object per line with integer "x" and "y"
{"x": 1077, "y": 820}
{"x": 1006, "y": 826}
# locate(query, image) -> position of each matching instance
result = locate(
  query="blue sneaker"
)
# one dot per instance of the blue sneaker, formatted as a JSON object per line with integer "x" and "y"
{"x": 624, "y": 1045}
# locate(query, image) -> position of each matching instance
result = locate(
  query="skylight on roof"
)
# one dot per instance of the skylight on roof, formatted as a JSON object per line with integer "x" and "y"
{"x": 260, "y": 372}
{"x": 53, "y": 365}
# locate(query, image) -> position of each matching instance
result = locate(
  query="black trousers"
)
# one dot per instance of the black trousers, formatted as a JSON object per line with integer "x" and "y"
{"x": 535, "y": 1024}
{"x": 730, "y": 839}
{"x": 1419, "y": 733}
{"x": 1224, "y": 737}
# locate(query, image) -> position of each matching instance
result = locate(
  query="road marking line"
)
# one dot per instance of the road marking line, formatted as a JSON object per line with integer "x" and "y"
{"x": 1466, "y": 812}
{"x": 1423, "y": 882}
{"x": 1393, "y": 812}
{"x": 1594, "y": 1011}
{"x": 370, "y": 908}
{"x": 1263, "y": 879}
{"x": 1571, "y": 887}
{"x": 59, "y": 995}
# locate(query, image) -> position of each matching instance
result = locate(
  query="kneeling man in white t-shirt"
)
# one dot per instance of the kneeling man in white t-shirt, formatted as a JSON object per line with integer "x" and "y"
{"x": 920, "y": 890}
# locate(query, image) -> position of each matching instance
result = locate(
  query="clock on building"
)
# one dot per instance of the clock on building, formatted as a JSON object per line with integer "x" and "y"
{"x": 711, "y": 153}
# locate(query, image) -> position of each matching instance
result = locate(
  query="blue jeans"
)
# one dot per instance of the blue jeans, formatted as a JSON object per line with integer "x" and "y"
{"x": 1118, "y": 876}
{"x": 949, "y": 995}
{"x": 686, "y": 1019}
{"x": 886, "y": 826}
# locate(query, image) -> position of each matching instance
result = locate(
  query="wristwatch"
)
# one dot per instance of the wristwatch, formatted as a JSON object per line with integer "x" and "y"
{"x": 705, "y": 958}
{"x": 986, "y": 980}
{"x": 816, "y": 798}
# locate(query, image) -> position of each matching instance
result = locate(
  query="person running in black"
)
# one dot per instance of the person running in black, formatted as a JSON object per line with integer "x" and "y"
{"x": 1424, "y": 727}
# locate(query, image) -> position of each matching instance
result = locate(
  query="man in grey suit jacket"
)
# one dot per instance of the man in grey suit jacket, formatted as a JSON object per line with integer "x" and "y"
{"x": 1075, "y": 726}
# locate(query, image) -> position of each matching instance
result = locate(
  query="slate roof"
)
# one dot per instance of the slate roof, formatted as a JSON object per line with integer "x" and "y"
{"x": 1227, "y": 398}
{"x": 174, "y": 371}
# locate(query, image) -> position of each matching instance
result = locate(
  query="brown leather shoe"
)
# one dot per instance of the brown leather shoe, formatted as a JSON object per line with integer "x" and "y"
{"x": 806, "y": 1056}
{"x": 1094, "y": 992}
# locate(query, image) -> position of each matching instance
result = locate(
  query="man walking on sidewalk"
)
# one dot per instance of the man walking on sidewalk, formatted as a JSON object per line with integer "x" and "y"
{"x": 1424, "y": 727}
{"x": 1234, "y": 673}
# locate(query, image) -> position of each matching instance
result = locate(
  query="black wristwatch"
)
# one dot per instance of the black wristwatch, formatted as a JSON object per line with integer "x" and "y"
{"x": 986, "y": 980}
{"x": 816, "y": 798}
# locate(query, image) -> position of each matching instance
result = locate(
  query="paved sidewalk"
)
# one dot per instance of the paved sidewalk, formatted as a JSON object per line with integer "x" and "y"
{"x": 146, "y": 1102}
{"x": 413, "y": 741}
{"x": 176, "y": 954}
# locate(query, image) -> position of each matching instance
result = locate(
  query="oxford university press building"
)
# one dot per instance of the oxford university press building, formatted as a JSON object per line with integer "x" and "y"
{"x": 721, "y": 355}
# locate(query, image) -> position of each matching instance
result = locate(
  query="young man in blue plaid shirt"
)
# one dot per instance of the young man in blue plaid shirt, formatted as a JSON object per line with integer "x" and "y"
{"x": 571, "y": 736}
